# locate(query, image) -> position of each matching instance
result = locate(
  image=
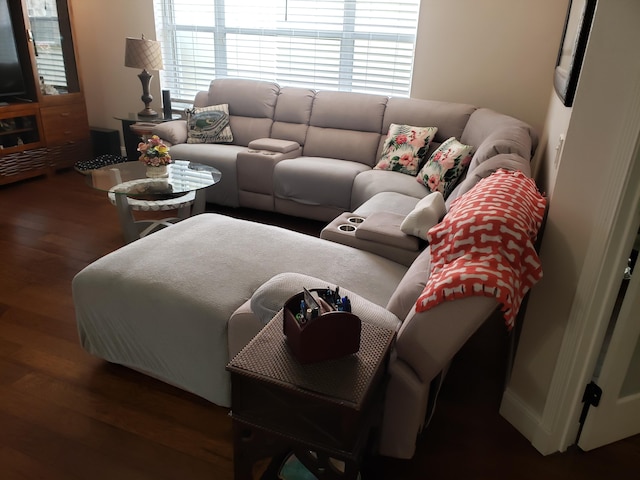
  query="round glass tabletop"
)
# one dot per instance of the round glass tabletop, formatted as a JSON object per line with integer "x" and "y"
{"x": 130, "y": 178}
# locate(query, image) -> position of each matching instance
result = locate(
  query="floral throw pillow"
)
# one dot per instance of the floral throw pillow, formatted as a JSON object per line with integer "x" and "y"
{"x": 405, "y": 148}
{"x": 209, "y": 124}
{"x": 445, "y": 166}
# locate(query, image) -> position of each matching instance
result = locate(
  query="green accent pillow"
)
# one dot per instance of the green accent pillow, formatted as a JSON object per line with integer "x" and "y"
{"x": 209, "y": 124}
{"x": 445, "y": 166}
{"x": 405, "y": 148}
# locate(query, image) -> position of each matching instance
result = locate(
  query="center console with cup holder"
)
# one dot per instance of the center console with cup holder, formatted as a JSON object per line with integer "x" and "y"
{"x": 377, "y": 232}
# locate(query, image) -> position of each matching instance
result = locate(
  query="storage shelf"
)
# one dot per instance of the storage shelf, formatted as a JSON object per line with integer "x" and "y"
{"x": 41, "y": 133}
{"x": 16, "y": 131}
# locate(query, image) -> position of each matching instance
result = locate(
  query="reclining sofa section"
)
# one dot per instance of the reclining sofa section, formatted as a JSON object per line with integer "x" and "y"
{"x": 311, "y": 153}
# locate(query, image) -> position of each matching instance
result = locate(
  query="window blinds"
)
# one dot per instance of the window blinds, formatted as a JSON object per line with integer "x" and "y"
{"x": 348, "y": 45}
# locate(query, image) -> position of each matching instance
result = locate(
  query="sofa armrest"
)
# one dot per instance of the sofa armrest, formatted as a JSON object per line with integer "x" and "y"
{"x": 273, "y": 145}
{"x": 255, "y": 167}
{"x": 173, "y": 132}
{"x": 428, "y": 341}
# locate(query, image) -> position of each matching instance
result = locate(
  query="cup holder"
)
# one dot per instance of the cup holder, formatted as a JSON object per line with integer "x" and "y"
{"x": 346, "y": 227}
{"x": 356, "y": 220}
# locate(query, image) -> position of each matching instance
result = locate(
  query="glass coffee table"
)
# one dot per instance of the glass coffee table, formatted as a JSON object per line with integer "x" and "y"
{"x": 129, "y": 188}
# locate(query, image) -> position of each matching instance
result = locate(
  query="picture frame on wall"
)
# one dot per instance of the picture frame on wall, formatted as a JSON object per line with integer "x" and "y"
{"x": 572, "y": 47}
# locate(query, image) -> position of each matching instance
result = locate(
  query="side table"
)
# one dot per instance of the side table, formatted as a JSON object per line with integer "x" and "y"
{"x": 324, "y": 412}
{"x": 131, "y": 139}
{"x": 129, "y": 188}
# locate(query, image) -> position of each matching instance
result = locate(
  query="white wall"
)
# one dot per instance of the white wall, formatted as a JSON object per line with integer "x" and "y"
{"x": 580, "y": 281}
{"x": 494, "y": 53}
{"x": 111, "y": 89}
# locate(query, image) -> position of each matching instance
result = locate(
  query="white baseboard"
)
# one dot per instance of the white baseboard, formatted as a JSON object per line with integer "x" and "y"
{"x": 529, "y": 423}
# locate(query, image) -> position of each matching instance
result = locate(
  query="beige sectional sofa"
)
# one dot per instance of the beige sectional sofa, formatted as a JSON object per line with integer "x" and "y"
{"x": 178, "y": 304}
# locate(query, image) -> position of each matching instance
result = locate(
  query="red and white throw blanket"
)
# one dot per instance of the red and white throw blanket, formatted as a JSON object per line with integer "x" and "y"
{"x": 484, "y": 245}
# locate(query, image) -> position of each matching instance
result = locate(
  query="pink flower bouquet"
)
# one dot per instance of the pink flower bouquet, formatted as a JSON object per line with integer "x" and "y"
{"x": 154, "y": 153}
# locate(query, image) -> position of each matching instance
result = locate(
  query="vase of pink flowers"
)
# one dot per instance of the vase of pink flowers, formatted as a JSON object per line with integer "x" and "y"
{"x": 155, "y": 155}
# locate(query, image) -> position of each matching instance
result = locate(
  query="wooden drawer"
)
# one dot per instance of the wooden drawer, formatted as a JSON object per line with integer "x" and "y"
{"x": 65, "y": 124}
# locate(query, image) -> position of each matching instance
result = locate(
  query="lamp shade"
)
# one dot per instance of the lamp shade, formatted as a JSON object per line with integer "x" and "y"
{"x": 143, "y": 53}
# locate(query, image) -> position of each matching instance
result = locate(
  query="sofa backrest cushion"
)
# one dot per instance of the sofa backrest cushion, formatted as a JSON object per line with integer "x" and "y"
{"x": 345, "y": 126}
{"x": 492, "y": 133}
{"x": 251, "y": 103}
{"x": 292, "y": 114}
{"x": 450, "y": 118}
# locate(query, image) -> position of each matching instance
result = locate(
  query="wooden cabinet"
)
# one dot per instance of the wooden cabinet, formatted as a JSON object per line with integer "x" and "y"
{"x": 54, "y": 107}
{"x": 22, "y": 149}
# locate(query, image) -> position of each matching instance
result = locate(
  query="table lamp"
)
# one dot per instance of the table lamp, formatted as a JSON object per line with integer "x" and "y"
{"x": 145, "y": 54}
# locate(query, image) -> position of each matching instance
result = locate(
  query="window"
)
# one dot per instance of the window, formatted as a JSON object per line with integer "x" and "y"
{"x": 348, "y": 45}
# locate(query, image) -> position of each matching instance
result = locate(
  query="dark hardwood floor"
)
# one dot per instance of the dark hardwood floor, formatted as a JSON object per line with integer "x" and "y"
{"x": 67, "y": 415}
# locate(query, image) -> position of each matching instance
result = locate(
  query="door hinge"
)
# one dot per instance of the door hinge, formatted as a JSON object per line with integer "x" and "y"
{"x": 592, "y": 395}
{"x": 590, "y": 398}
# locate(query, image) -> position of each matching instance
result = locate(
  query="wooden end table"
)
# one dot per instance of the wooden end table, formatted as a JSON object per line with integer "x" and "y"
{"x": 324, "y": 412}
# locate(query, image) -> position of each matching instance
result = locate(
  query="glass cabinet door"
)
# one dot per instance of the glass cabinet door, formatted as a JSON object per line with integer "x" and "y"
{"x": 50, "y": 31}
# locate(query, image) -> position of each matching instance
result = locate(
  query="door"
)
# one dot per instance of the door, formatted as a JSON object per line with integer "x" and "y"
{"x": 617, "y": 415}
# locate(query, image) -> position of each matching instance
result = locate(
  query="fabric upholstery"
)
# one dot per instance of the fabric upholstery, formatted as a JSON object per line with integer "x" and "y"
{"x": 348, "y": 111}
{"x": 426, "y": 214}
{"x": 174, "y": 132}
{"x": 345, "y": 126}
{"x": 384, "y": 228}
{"x": 403, "y": 254}
{"x": 484, "y": 246}
{"x": 387, "y": 202}
{"x": 251, "y": 103}
{"x": 350, "y": 145}
{"x": 304, "y": 179}
{"x": 292, "y": 114}
{"x": 445, "y": 166}
{"x": 226, "y": 190}
{"x": 411, "y": 286}
{"x": 405, "y": 148}
{"x": 450, "y": 118}
{"x": 161, "y": 304}
{"x": 209, "y": 124}
{"x": 485, "y": 122}
{"x": 371, "y": 182}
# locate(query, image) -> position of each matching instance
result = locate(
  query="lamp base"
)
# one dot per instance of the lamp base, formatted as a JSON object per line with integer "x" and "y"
{"x": 147, "y": 112}
{"x": 145, "y": 78}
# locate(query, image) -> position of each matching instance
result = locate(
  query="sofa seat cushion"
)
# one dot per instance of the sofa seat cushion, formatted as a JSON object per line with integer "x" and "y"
{"x": 161, "y": 304}
{"x": 371, "y": 182}
{"x": 393, "y": 202}
{"x": 316, "y": 181}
